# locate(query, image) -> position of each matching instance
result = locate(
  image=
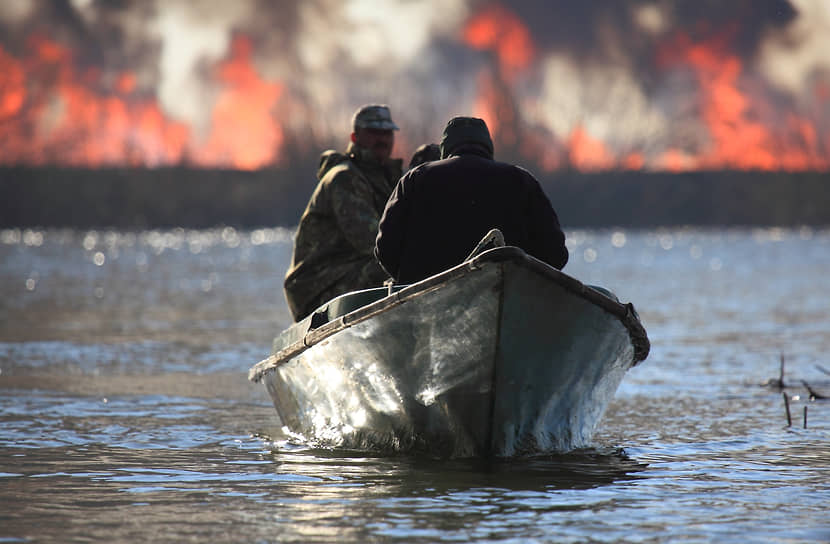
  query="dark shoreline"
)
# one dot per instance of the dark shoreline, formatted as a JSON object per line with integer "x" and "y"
{"x": 185, "y": 197}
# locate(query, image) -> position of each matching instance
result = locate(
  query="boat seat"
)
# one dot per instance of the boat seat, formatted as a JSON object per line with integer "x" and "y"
{"x": 350, "y": 302}
{"x": 333, "y": 309}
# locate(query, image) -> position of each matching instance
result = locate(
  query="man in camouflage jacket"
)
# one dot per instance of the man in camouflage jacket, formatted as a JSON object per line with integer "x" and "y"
{"x": 334, "y": 243}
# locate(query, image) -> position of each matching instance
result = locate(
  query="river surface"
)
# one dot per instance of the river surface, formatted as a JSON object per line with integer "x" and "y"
{"x": 126, "y": 415}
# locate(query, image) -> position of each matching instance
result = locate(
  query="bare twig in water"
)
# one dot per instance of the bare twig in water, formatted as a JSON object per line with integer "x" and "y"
{"x": 781, "y": 371}
{"x": 779, "y": 382}
{"x": 805, "y": 417}
{"x": 821, "y": 368}
{"x": 813, "y": 394}
{"x": 787, "y": 406}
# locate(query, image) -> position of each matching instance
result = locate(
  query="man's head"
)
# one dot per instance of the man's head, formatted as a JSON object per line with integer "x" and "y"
{"x": 425, "y": 153}
{"x": 466, "y": 131}
{"x": 373, "y": 129}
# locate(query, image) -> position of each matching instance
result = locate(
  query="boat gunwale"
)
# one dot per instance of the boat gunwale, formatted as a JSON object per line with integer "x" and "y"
{"x": 498, "y": 255}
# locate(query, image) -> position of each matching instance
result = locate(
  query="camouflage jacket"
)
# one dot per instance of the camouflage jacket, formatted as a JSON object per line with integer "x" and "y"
{"x": 335, "y": 240}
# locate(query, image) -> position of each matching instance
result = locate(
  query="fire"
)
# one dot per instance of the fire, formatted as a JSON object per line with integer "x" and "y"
{"x": 740, "y": 139}
{"x": 12, "y": 86}
{"x": 743, "y": 130}
{"x": 55, "y": 110}
{"x": 587, "y": 153}
{"x": 494, "y": 106}
{"x": 736, "y": 140}
{"x": 499, "y": 30}
{"x": 72, "y": 117}
{"x": 243, "y": 131}
{"x": 634, "y": 161}
{"x": 52, "y": 112}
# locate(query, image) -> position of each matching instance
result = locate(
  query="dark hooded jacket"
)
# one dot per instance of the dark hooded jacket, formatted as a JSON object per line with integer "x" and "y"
{"x": 440, "y": 210}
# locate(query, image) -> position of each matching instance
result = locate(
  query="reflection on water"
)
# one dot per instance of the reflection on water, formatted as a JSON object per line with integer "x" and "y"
{"x": 125, "y": 413}
{"x": 581, "y": 469}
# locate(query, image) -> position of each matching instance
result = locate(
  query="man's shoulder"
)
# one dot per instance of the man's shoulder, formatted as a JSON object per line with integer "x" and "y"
{"x": 477, "y": 161}
{"x": 344, "y": 171}
{"x": 331, "y": 160}
{"x": 523, "y": 171}
{"x": 516, "y": 171}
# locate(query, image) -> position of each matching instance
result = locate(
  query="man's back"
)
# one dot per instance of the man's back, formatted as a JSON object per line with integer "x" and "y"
{"x": 335, "y": 238}
{"x": 440, "y": 210}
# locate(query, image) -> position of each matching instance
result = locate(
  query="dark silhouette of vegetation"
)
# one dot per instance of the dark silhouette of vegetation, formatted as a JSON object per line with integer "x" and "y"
{"x": 716, "y": 198}
{"x": 186, "y": 197}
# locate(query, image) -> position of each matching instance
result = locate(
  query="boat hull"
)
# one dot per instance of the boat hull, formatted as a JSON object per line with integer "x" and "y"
{"x": 500, "y": 356}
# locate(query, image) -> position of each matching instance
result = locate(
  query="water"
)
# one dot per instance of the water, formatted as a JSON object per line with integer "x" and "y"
{"x": 125, "y": 413}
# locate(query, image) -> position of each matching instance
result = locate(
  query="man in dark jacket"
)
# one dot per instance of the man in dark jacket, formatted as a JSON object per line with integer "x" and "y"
{"x": 335, "y": 240}
{"x": 440, "y": 210}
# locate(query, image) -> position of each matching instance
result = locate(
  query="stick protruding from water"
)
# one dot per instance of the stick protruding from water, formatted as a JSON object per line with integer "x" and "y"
{"x": 787, "y": 406}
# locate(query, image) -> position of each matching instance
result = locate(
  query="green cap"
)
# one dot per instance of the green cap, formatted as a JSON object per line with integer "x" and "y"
{"x": 373, "y": 116}
{"x": 465, "y": 130}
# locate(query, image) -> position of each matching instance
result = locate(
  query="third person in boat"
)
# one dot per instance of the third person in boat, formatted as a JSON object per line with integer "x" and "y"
{"x": 440, "y": 210}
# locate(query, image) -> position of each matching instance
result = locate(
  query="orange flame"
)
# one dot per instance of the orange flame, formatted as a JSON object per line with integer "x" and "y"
{"x": 633, "y": 161}
{"x": 587, "y": 153}
{"x": 499, "y": 30}
{"x": 54, "y": 111}
{"x": 493, "y": 105}
{"x": 738, "y": 139}
{"x": 12, "y": 86}
{"x": 243, "y": 131}
{"x": 50, "y": 113}
{"x": 745, "y": 131}
{"x": 61, "y": 116}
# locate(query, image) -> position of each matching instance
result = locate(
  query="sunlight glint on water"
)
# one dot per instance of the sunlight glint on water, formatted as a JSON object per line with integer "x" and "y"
{"x": 125, "y": 413}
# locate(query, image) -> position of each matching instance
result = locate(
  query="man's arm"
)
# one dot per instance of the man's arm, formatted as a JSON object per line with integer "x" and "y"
{"x": 546, "y": 237}
{"x": 390, "y": 239}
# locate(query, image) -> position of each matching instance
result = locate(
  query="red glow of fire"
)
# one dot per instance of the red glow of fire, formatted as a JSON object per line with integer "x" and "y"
{"x": 739, "y": 140}
{"x": 493, "y": 106}
{"x": 634, "y": 161}
{"x": 745, "y": 131}
{"x": 587, "y": 153}
{"x": 52, "y": 112}
{"x": 12, "y": 86}
{"x": 243, "y": 132}
{"x": 498, "y": 29}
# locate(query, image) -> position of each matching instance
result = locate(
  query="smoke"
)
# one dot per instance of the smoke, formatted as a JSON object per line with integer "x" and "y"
{"x": 608, "y": 73}
{"x": 796, "y": 56}
{"x": 333, "y": 54}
